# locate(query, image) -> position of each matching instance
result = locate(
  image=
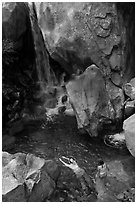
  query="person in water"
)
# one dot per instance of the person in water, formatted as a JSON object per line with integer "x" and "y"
{"x": 102, "y": 169}
{"x": 85, "y": 180}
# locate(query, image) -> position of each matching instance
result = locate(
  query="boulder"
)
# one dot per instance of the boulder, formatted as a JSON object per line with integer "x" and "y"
{"x": 90, "y": 100}
{"x": 129, "y": 128}
{"x": 129, "y": 89}
{"x": 129, "y": 109}
{"x": 78, "y": 34}
{"x": 26, "y": 178}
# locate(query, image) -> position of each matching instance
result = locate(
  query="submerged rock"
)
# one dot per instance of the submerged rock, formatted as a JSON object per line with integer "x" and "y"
{"x": 91, "y": 102}
{"x": 27, "y": 178}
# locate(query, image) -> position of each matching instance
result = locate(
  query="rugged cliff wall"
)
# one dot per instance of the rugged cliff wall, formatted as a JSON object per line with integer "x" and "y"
{"x": 43, "y": 41}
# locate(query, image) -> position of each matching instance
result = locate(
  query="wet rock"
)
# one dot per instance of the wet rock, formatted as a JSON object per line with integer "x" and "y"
{"x": 117, "y": 98}
{"x": 129, "y": 109}
{"x": 90, "y": 100}
{"x": 116, "y": 140}
{"x": 129, "y": 89}
{"x": 111, "y": 187}
{"x": 26, "y": 178}
{"x": 129, "y": 128}
{"x": 80, "y": 34}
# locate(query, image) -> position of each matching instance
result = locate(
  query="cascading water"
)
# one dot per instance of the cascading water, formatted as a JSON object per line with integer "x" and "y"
{"x": 61, "y": 137}
{"x": 45, "y": 74}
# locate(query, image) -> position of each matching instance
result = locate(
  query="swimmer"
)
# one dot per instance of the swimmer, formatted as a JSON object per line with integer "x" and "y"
{"x": 102, "y": 169}
{"x": 84, "y": 178}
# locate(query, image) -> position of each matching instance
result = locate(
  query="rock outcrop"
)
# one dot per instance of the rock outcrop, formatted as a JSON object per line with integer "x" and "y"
{"x": 26, "y": 178}
{"x": 79, "y": 34}
{"x": 69, "y": 37}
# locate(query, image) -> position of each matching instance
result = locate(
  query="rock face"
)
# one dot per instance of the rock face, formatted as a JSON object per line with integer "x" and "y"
{"x": 76, "y": 35}
{"x": 27, "y": 178}
{"x": 79, "y": 34}
{"x": 129, "y": 128}
{"x": 90, "y": 100}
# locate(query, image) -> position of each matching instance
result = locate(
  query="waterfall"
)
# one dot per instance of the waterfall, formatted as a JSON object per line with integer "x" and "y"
{"x": 46, "y": 76}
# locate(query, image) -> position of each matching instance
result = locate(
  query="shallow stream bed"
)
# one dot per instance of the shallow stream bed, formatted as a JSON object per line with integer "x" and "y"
{"x": 61, "y": 138}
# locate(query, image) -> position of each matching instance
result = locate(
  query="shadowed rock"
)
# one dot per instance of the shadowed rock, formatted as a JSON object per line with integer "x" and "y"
{"x": 27, "y": 178}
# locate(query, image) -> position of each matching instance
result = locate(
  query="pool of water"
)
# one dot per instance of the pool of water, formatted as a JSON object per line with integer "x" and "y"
{"x": 51, "y": 140}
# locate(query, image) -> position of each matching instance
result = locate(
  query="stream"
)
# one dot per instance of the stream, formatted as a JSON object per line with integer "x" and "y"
{"x": 51, "y": 140}
{"x": 36, "y": 82}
